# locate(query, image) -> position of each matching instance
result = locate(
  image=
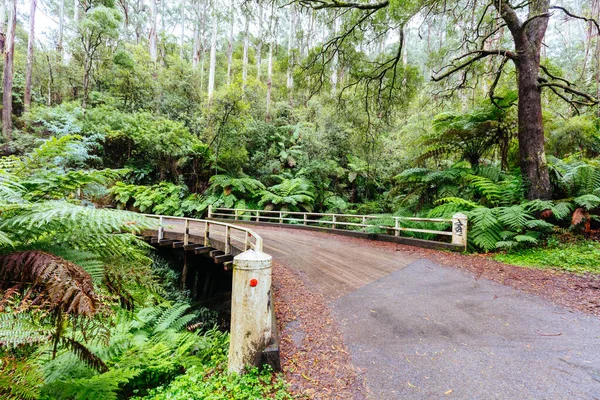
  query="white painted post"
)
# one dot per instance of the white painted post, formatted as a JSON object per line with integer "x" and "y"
{"x": 257, "y": 215}
{"x": 396, "y": 227}
{"x": 251, "y": 309}
{"x": 305, "y": 219}
{"x": 280, "y": 217}
{"x": 161, "y": 229}
{"x": 333, "y": 220}
{"x": 236, "y": 214}
{"x": 364, "y": 222}
{"x": 459, "y": 229}
{"x": 186, "y": 236}
{"x": 210, "y": 211}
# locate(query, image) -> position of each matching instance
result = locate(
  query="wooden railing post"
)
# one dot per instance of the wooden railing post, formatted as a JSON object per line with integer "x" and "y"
{"x": 210, "y": 211}
{"x": 227, "y": 239}
{"x": 257, "y": 216}
{"x": 186, "y": 236}
{"x": 364, "y": 222}
{"x": 396, "y": 227}
{"x": 251, "y": 308}
{"x": 207, "y": 234}
{"x": 305, "y": 219}
{"x": 459, "y": 229}
{"x": 236, "y": 214}
{"x": 280, "y": 217}
{"x": 161, "y": 229}
{"x": 333, "y": 220}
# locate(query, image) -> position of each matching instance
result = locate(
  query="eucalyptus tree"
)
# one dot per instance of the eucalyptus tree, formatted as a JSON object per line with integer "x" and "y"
{"x": 517, "y": 28}
{"x": 30, "y": 49}
{"x": 99, "y": 25}
{"x": 7, "y": 83}
{"x": 213, "y": 52}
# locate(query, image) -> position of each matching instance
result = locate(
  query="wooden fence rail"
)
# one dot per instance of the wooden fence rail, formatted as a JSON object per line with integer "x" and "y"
{"x": 456, "y": 227}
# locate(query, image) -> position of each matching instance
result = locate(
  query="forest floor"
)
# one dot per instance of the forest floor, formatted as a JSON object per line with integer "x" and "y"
{"x": 345, "y": 307}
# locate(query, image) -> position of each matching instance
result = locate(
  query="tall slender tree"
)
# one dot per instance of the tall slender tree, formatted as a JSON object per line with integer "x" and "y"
{"x": 247, "y": 15}
{"x": 7, "y": 83}
{"x": 213, "y": 53}
{"x": 30, "y": 51}
{"x": 153, "y": 35}
{"x": 61, "y": 30}
{"x": 230, "y": 44}
{"x": 182, "y": 38}
{"x": 259, "y": 39}
{"x": 2, "y": 24}
{"x": 290, "y": 52}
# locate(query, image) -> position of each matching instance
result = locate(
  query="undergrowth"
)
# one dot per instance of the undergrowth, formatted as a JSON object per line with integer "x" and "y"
{"x": 581, "y": 256}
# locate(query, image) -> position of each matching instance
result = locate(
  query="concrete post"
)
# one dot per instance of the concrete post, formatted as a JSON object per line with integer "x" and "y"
{"x": 250, "y": 309}
{"x": 459, "y": 229}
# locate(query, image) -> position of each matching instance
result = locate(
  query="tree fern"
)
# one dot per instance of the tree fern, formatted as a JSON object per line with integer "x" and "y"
{"x": 290, "y": 195}
{"x": 484, "y": 228}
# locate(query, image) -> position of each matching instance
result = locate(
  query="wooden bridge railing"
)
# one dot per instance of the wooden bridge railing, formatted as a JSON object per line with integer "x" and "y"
{"x": 253, "y": 337}
{"x": 456, "y": 227}
{"x": 246, "y": 238}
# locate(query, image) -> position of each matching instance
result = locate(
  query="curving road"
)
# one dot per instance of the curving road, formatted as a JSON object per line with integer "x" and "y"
{"x": 423, "y": 331}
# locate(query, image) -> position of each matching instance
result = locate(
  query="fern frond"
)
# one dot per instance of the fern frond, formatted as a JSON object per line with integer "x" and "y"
{"x": 60, "y": 284}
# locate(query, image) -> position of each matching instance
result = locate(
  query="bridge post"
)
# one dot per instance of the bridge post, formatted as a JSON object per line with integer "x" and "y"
{"x": 161, "y": 229}
{"x": 459, "y": 229}
{"x": 210, "y": 211}
{"x": 251, "y": 309}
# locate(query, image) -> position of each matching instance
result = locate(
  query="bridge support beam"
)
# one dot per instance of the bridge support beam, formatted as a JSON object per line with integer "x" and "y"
{"x": 251, "y": 309}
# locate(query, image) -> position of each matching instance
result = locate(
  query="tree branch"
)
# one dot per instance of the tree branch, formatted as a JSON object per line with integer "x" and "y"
{"x": 321, "y": 4}
{"x": 479, "y": 54}
{"x": 569, "y": 89}
{"x": 592, "y": 20}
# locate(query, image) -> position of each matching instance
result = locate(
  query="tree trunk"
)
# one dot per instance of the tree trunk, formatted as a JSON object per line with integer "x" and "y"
{"x": 87, "y": 67}
{"x": 334, "y": 64}
{"x": 182, "y": 39}
{"x": 290, "y": 77}
{"x": 2, "y": 24}
{"x": 61, "y": 29}
{"x": 153, "y": 38}
{"x": 30, "y": 44}
{"x": 245, "y": 56}
{"x": 531, "y": 128}
{"x": 269, "y": 80}
{"x": 230, "y": 44}
{"x": 9, "y": 52}
{"x": 528, "y": 38}
{"x": 259, "y": 40}
{"x": 213, "y": 56}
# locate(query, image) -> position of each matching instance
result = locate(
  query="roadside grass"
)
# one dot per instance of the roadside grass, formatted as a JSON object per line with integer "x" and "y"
{"x": 581, "y": 256}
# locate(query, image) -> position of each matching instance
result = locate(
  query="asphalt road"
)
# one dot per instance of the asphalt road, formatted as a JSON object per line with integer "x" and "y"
{"x": 417, "y": 330}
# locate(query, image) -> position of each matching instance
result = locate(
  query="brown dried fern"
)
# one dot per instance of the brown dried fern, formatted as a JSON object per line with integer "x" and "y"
{"x": 47, "y": 281}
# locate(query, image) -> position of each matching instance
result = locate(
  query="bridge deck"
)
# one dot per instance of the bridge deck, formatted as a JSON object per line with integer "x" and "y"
{"x": 423, "y": 331}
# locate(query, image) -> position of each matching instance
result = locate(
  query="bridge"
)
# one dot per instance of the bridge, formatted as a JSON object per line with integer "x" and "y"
{"x": 417, "y": 330}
